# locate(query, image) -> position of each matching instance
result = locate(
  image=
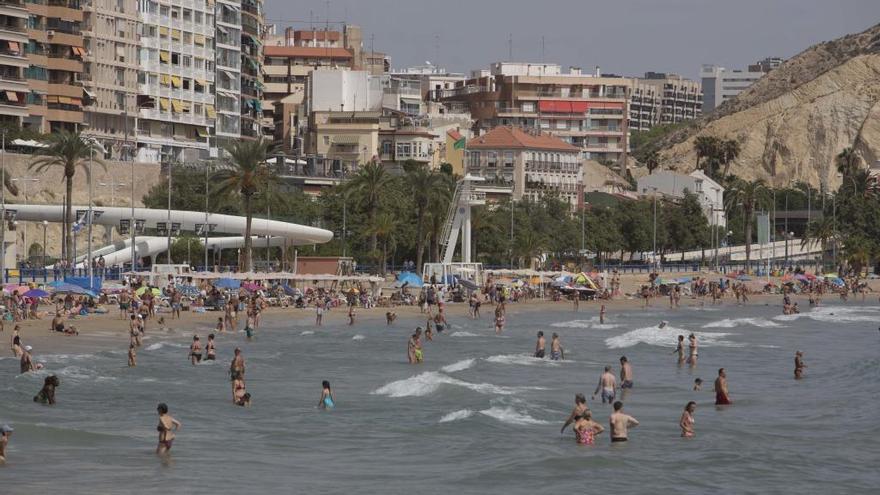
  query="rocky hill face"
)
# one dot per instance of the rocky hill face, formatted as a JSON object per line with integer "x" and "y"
{"x": 795, "y": 120}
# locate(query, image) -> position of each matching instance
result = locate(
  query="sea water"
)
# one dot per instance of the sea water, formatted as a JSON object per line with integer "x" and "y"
{"x": 478, "y": 416}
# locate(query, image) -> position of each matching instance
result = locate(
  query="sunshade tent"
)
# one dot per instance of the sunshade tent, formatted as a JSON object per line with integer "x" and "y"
{"x": 410, "y": 279}
{"x": 154, "y": 291}
{"x": 36, "y": 293}
{"x": 227, "y": 283}
{"x": 188, "y": 290}
{"x": 11, "y": 288}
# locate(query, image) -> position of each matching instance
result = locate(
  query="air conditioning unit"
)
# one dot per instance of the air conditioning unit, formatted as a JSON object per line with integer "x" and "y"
{"x": 50, "y": 33}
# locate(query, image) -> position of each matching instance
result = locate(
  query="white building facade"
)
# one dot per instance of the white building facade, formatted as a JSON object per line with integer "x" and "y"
{"x": 674, "y": 185}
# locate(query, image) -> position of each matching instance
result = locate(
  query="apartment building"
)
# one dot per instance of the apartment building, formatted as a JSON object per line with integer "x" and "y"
{"x": 660, "y": 98}
{"x": 14, "y": 92}
{"x": 533, "y": 162}
{"x": 586, "y": 111}
{"x": 55, "y": 62}
{"x": 431, "y": 79}
{"x": 227, "y": 83}
{"x": 251, "y": 73}
{"x": 176, "y": 109}
{"x": 721, "y": 84}
{"x": 110, "y": 74}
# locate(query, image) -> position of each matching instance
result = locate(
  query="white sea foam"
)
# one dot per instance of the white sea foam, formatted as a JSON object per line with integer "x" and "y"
{"x": 836, "y": 314}
{"x": 458, "y": 366}
{"x": 463, "y": 334}
{"x": 735, "y": 322}
{"x": 429, "y": 382}
{"x": 511, "y": 416}
{"x": 159, "y": 345}
{"x": 307, "y": 332}
{"x": 358, "y": 337}
{"x": 573, "y": 324}
{"x": 666, "y": 337}
{"x": 605, "y": 326}
{"x": 457, "y": 415}
{"x": 520, "y": 359}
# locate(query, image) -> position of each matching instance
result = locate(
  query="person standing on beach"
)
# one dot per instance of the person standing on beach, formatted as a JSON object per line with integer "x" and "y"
{"x": 556, "y": 350}
{"x": 175, "y": 303}
{"x": 692, "y": 347}
{"x": 722, "y": 396}
{"x": 799, "y": 365}
{"x": 124, "y": 303}
{"x": 620, "y": 422}
{"x": 540, "y": 345}
{"x": 608, "y": 385}
{"x": 5, "y": 433}
{"x": 626, "y": 373}
{"x": 686, "y": 423}
{"x": 580, "y": 407}
{"x": 195, "y": 351}
{"x": 167, "y": 427}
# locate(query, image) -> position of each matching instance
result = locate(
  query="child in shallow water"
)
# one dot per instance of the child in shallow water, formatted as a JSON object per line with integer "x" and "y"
{"x": 326, "y": 401}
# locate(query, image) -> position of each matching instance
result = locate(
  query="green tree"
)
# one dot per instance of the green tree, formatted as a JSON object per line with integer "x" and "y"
{"x": 705, "y": 147}
{"x": 652, "y": 161}
{"x": 366, "y": 187}
{"x": 420, "y": 182}
{"x": 384, "y": 227}
{"x": 187, "y": 249}
{"x": 729, "y": 151}
{"x": 750, "y": 195}
{"x": 244, "y": 174}
{"x": 69, "y": 152}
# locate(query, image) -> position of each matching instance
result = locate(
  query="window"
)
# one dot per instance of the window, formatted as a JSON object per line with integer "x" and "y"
{"x": 386, "y": 147}
{"x": 492, "y": 159}
{"x": 404, "y": 151}
{"x": 120, "y": 99}
{"x": 508, "y": 159}
{"x": 528, "y": 107}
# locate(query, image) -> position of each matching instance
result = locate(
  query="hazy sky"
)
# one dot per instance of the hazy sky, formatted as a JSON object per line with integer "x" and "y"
{"x": 626, "y": 37}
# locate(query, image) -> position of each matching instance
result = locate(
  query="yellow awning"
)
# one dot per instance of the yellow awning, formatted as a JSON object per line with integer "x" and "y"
{"x": 175, "y": 34}
{"x": 163, "y": 31}
{"x": 165, "y": 80}
{"x": 51, "y": 99}
{"x": 175, "y": 81}
{"x": 164, "y": 104}
{"x": 201, "y": 82}
{"x": 176, "y": 106}
{"x": 199, "y": 39}
{"x": 202, "y": 132}
{"x": 165, "y": 56}
{"x": 63, "y": 99}
{"x": 12, "y": 96}
{"x": 209, "y": 109}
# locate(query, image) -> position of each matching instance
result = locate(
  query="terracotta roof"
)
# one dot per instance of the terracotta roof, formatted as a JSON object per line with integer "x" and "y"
{"x": 515, "y": 138}
{"x": 455, "y": 135}
{"x": 305, "y": 51}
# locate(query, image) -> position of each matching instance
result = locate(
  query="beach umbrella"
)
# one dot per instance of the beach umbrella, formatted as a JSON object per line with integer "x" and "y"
{"x": 802, "y": 278}
{"x": 410, "y": 279}
{"x": 251, "y": 286}
{"x": 188, "y": 290}
{"x": 154, "y": 290}
{"x": 837, "y": 281}
{"x": 227, "y": 283}
{"x": 830, "y": 275}
{"x": 684, "y": 280}
{"x": 744, "y": 278}
{"x": 10, "y": 288}
{"x": 36, "y": 293}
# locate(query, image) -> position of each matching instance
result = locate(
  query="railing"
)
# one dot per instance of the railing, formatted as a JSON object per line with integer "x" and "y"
{"x": 45, "y": 275}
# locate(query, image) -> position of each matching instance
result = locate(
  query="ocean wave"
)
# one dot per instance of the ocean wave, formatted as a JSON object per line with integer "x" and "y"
{"x": 63, "y": 358}
{"x": 456, "y": 415}
{"x": 605, "y": 326}
{"x": 358, "y": 337}
{"x": 159, "y": 345}
{"x": 308, "y": 332}
{"x": 520, "y": 359}
{"x": 735, "y": 322}
{"x": 458, "y": 366}
{"x": 430, "y": 381}
{"x": 666, "y": 337}
{"x": 511, "y": 416}
{"x": 463, "y": 334}
{"x": 574, "y": 323}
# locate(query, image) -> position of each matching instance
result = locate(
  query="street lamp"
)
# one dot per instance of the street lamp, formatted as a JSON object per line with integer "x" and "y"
{"x": 45, "y": 226}
{"x": 729, "y": 246}
{"x": 112, "y": 185}
{"x": 25, "y": 181}
{"x": 654, "y": 261}
{"x": 168, "y": 226}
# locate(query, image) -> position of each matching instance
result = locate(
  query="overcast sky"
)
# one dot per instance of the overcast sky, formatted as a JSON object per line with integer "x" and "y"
{"x": 625, "y": 37}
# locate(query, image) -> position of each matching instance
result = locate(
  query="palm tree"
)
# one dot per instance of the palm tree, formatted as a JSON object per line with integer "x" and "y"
{"x": 730, "y": 149}
{"x": 69, "y": 152}
{"x": 858, "y": 251}
{"x": 383, "y": 227}
{"x": 652, "y": 161}
{"x": 705, "y": 147}
{"x": 245, "y": 173}
{"x": 750, "y": 195}
{"x": 367, "y": 186}
{"x": 529, "y": 245}
{"x": 821, "y": 231}
{"x": 847, "y": 161}
{"x": 421, "y": 182}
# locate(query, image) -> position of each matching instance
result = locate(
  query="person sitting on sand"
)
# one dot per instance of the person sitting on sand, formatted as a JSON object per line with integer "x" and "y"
{"x": 585, "y": 429}
{"x": 46, "y": 395}
{"x": 326, "y": 401}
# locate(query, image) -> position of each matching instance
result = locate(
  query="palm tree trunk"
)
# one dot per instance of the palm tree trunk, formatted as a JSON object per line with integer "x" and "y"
{"x": 384, "y": 255}
{"x": 248, "y": 243}
{"x": 66, "y": 224}
{"x": 420, "y": 238}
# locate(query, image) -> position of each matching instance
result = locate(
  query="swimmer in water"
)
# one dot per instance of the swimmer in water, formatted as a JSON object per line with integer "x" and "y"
{"x": 663, "y": 324}
{"x": 692, "y": 347}
{"x": 585, "y": 429}
{"x": 722, "y": 395}
{"x": 608, "y": 385}
{"x": 440, "y": 320}
{"x": 499, "y": 318}
{"x": 626, "y": 373}
{"x": 195, "y": 351}
{"x": 698, "y": 384}
{"x": 167, "y": 427}
{"x": 417, "y": 346}
{"x": 602, "y": 315}
{"x": 27, "y": 362}
{"x": 5, "y": 433}
{"x": 351, "y": 314}
{"x": 799, "y": 365}
{"x": 686, "y": 423}
{"x": 326, "y": 401}
{"x": 210, "y": 349}
{"x": 239, "y": 392}
{"x": 390, "y": 316}
{"x": 46, "y": 395}
{"x": 620, "y": 423}
{"x": 679, "y": 349}
{"x": 556, "y": 350}
{"x": 132, "y": 355}
{"x": 539, "y": 346}
{"x": 220, "y": 326}
{"x": 580, "y": 407}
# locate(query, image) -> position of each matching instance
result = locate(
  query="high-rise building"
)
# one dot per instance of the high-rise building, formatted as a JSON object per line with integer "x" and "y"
{"x": 55, "y": 57}
{"x": 110, "y": 73}
{"x": 227, "y": 85}
{"x": 176, "y": 79}
{"x": 721, "y": 84}
{"x": 14, "y": 92}
{"x": 661, "y": 98}
{"x": 251, "y": 68}
{"x": 587, "y": 111}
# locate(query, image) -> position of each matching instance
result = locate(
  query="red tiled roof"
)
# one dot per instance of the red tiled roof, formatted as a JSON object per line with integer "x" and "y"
{"x": 306, "y": 52}
{"x": 515, "y": 138}
{"x": 455, "y": 135}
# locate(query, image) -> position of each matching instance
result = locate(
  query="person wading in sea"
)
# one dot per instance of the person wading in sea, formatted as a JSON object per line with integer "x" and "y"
{"x": 620, "y": 423}
{"x": 722, "y": 397}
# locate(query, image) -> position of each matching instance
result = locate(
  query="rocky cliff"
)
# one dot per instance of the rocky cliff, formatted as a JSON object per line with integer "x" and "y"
{"x": 795, "y": 120}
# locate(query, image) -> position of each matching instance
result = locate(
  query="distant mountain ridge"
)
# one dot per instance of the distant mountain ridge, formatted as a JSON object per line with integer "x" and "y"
{"x": 792, "y": 122}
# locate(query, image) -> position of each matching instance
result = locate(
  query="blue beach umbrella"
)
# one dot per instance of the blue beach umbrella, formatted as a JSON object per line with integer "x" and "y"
{"x": 409, "y": 278}
{"x": 227, "y": 283}
{"x": 36, "y": 293}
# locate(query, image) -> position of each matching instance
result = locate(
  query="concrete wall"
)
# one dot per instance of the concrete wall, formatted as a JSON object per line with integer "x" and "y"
{"x": 50, "y": 190}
